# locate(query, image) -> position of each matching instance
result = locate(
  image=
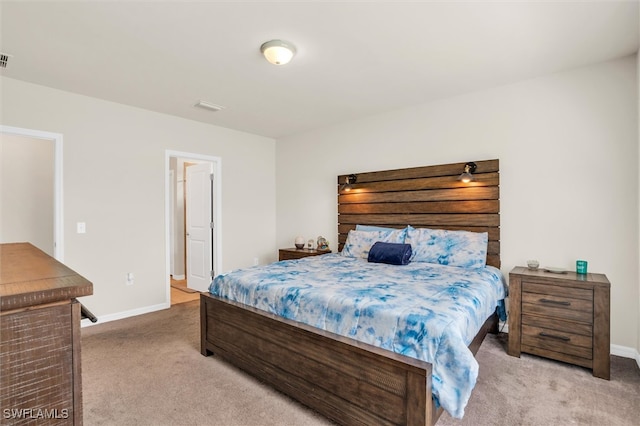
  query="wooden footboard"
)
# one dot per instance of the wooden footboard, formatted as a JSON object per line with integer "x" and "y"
{"x": 347, "y": 381}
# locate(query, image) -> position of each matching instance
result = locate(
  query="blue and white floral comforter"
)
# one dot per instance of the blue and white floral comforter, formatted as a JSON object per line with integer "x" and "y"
{"x": 422, "y": 310}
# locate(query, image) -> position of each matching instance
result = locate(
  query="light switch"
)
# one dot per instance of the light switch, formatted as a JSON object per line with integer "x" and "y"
{"x": 82, "y": 228}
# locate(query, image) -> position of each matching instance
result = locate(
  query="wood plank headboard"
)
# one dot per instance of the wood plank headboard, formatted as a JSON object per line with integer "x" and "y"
{"x": 429, "y": 197}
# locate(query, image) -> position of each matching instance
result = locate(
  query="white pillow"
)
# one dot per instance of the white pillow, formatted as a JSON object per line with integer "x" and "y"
{"x": 359, "y": 243}
{"x": 454, "y": 248}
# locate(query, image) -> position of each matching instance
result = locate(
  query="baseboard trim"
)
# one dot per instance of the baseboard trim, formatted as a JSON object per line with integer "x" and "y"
{"x": 125, "y": 314}
{"x": 178, "y": 277}
{"x": 626, "y": 352}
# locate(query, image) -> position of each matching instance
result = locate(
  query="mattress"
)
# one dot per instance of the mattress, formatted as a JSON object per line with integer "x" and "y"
{"x": 422, "y": 310}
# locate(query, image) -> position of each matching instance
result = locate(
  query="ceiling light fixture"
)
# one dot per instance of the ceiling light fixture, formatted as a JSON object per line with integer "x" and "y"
{"x": 208, "y": 105}
{"x": 278, "y": 52}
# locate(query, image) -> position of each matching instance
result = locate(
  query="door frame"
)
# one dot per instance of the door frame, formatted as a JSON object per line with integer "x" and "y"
{"x": 217, "y": 211}
{"x": 58, "y": 219}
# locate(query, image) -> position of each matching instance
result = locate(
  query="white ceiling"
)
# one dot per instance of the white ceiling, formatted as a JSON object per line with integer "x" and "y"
{"x": 354, "y": 58}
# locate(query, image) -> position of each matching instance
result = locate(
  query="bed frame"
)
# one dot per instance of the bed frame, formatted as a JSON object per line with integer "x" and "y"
{"x": 347, "y": 381}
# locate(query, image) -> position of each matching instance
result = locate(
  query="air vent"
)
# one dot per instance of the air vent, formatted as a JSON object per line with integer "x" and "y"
{"x": 4, "y": 59}
{"x": 209, "y": 106}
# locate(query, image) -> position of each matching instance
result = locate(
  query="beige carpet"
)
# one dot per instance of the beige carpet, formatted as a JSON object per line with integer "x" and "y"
{"x": 147, "y": 370}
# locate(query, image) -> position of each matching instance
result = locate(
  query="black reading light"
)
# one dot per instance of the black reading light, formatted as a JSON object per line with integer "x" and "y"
{"x": 348, "y": 181}
{"x": 467, "y": 176}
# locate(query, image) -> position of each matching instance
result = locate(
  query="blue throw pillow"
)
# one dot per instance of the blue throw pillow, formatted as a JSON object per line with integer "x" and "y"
{"x": 390, "y": 253}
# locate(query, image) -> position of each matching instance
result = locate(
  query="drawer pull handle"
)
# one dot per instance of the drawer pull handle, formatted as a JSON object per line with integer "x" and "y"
{"x": 553, "y": 336}
{"x": 555, "y": 302}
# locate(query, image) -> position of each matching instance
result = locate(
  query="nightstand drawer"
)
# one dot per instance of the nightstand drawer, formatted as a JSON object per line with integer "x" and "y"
{"x": 558, "y": 341}
{"x": 557, "y": 290}
{"x": 558, "y": 302}
{"x": 584, "y": 329}
{"x": 295, "y": 253}
{"x": 570, "y": 309}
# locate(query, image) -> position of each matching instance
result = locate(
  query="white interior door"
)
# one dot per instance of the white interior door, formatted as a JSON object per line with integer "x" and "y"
{"x": 198, "y": 213}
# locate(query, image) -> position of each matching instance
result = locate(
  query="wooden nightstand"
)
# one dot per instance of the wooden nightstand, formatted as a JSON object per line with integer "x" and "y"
{"x": 295, "y": 253}
{"x": 560, "y": 316}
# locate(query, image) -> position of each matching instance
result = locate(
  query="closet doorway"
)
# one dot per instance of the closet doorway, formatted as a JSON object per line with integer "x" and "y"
{"x": 31, "y": 189}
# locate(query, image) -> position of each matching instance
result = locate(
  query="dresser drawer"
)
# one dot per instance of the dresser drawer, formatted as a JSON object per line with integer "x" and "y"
{"x": 573, "y": 304}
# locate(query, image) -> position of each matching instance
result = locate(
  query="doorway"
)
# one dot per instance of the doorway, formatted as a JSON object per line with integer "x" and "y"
{"x": 193, "y": 223}
{"x": 41, "y": 224}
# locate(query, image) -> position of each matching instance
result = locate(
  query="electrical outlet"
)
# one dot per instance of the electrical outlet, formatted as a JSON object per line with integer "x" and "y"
{"x": 256, "y": 261}
{"x": 81, "y": 227}
{"x": 130, "y": 278}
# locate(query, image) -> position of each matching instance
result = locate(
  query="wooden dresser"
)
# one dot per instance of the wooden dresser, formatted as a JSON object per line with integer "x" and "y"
{"x": 296, "y": 253}
{"x": 561, "y": 316}
{"x": 40, "y": 370}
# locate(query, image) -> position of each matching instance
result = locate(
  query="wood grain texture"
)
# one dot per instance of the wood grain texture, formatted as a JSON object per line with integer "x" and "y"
{"x": 515, "y": 315}
{"x": 347, "y": 381}
{"x": 40, "y": 366}
{"x": 430, "y": 196}
{"x": 296, "y": 253}
{"x": 561, "y": 316}
{"x": 350, "y": 382}
{"x": 601, "y": 330}
{"x": 36, "y": 361}
{"x": 28, "y": 277}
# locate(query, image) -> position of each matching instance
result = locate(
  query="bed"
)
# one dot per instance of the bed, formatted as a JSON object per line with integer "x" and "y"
{"x": 335, "y": 371}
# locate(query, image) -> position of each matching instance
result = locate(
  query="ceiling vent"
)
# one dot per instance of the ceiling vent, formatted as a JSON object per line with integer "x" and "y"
{"x": 4, "y": 58}
{"x": 208, "y": 106}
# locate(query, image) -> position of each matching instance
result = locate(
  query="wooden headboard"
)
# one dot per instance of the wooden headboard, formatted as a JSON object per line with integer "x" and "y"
{"x": 429, "y": 197}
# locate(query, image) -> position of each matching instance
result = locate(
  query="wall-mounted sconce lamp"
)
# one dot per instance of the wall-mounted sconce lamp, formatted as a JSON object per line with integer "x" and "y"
{"x": 467, "y": 176}
{"x": 348, "y": 181}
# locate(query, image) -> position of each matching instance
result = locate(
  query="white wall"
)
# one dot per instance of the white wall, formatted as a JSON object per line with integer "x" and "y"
{"x": 114, "y": 180}
{"x": 568, "y": 150}
{"x": 26, "y": 191}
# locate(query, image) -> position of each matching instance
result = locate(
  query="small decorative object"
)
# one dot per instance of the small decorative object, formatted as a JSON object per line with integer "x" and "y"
{"x": 555, "y": 270}
{"x": 323, "y": 244}
{"x": 533, "y": 264}
{"x": 581, "y": 267}
{"x": 310, "y": 244}
{"x": 299, "y": 242}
